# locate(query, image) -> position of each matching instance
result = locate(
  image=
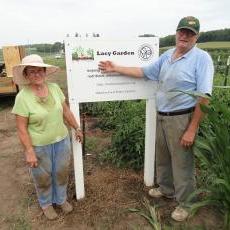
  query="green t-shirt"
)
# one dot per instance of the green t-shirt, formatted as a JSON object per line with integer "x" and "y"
{"x": 45, "y": 115}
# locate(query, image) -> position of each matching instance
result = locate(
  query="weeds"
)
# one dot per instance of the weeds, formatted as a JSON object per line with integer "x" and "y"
{"x": 150, "y": 214}
{"x": 212, "y": 148}
{"x": 18, "y": 222}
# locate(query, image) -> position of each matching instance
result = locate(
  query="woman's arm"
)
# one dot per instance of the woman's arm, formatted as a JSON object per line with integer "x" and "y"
{"x": 22, "y": 124}
{"x": 71, "y": 121}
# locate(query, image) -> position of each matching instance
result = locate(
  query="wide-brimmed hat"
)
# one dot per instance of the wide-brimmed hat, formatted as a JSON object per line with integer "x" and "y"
{"x": 30, "y": 60}
{"x": 190, "y": 23}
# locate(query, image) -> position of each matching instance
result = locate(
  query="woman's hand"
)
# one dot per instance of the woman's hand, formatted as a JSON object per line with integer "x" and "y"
{"x": 78, "y": 135}
{"x": 31, "y": 158}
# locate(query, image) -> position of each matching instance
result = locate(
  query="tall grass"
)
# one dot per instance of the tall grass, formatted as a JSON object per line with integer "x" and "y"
{"x": 150, "y": 214}
{"x": 212, "y": 148}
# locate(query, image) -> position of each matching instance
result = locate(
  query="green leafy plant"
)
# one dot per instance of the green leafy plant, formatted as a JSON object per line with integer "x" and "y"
{"x": 212, "y": 148}
{"x": 128, "y": 121}
{"x": 150, "y": 214}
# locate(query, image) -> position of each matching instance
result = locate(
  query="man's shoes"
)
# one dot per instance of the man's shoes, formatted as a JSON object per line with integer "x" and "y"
{"x": 156, "y": 193}
{"x": 66, "y": 207}
{"x": 179, "y": 214}
{"x": 50, "y": 213}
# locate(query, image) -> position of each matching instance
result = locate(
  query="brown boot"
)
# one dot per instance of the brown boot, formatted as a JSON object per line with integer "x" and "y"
{"x": 50, "y": 213}
{"x": 66, "y": 207}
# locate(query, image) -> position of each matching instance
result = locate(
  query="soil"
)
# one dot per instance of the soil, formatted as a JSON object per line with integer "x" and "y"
{"x": 110, "y": 192}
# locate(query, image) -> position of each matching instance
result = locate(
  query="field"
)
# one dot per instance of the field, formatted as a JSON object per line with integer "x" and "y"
{"x": 207, "y": 45}
{"x": 110, "y": 191}
{"x": 213, "y": 45}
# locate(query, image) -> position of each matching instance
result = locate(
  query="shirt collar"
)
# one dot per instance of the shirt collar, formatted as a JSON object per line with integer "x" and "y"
{"x": 169, "y": 55}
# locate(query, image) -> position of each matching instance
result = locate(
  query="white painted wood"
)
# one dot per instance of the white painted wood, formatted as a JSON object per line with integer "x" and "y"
{"x": 80, "y": 89}
{"x": 77, "y": 156}
{"x": 91, "y": 85}
{"x": 77, "y": 147}
{"x": 150, "y": 133}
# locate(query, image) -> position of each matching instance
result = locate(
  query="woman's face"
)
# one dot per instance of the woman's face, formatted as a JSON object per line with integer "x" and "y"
{"x": 35, "y": 75}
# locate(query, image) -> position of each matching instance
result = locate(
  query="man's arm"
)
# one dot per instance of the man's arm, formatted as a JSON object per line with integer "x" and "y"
{"x": 189, "y": 135}
{"x": 109, "y": 67}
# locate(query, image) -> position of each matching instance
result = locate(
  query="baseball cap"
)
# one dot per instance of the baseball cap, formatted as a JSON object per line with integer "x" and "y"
{"x": 190, "y": 23}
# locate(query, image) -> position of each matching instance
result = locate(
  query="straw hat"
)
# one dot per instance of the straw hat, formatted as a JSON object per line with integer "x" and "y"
{"x": 30, "y": 60}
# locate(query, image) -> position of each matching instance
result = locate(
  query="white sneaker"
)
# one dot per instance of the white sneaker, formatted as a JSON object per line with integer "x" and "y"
{"x": 179, "y": 214}
{"x": 156, "y": 193}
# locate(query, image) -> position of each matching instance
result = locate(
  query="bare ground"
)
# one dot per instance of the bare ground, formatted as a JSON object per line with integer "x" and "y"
{"x": 110, "y": 192}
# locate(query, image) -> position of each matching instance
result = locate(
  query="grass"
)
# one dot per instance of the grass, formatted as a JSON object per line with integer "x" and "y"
{"x": 150, "y": 214}
{"x": 214, "y": 45}
{"x": 21, "y": 223}
{"x": 18, "y": 222}
{"x": 91, "y": 144}
{"x": 204, "y": 45}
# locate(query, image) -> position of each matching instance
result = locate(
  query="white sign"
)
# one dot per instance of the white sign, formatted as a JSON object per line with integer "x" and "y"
{"x": 87, "y": 84}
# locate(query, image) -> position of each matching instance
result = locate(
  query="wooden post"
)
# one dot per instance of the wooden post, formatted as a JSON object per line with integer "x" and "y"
{"x": 150, "y": 133}
{"x": 77, "y": 155}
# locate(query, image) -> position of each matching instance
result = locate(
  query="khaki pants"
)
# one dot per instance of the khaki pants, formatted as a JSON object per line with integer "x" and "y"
{"x": 174, "y": 163}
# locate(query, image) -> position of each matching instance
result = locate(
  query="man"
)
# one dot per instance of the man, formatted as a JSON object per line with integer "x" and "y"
{"x": 183, "y": 68}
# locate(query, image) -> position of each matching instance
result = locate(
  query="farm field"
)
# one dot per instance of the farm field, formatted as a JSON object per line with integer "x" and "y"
{"x": 206, "y": 45}
{"x": 213, "y": 45}
{"x": 110, "y": 191}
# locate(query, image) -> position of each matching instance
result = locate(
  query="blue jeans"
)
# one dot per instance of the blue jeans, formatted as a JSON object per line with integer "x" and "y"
{"x": 51, "y": 175}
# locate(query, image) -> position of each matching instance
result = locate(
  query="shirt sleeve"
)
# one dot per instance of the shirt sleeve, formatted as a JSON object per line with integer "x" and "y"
{"x": 20, "y": 106}
{"x": 60, "y": 93}
{"x": 152, "y": 71}
{"x": 204, "y": 74}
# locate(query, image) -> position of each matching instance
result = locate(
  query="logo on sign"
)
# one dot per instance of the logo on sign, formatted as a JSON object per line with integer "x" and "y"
{"x": 79, "y": 53}
{"x": 145, "y": 52}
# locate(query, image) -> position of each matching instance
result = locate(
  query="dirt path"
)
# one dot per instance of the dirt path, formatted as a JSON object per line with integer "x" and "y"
{"x": 13, "y": 176}
{"x": 110, "y": 192}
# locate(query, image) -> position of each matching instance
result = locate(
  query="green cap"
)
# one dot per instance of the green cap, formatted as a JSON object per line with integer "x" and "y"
{"x": 190, "y": 23}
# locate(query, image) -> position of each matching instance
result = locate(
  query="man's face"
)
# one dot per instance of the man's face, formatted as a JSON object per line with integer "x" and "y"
{"x": 185, "y": 39}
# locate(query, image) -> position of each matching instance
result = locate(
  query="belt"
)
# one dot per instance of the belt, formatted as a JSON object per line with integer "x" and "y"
{"x": 177, "y": 112}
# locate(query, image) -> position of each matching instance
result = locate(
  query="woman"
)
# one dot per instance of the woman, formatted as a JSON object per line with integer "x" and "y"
{"x": 40, "y": 109}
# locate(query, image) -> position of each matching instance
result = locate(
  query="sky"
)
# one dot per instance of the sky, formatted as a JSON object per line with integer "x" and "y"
{"x": 48, "y": 21}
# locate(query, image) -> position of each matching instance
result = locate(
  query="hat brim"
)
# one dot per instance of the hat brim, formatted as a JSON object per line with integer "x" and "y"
{"x": 20, "y": 79}
{"x": 188, "y": 28}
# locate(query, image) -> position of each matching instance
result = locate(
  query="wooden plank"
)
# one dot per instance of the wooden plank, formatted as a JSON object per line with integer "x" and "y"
{"x": 11, "y": 56}
{"x": 22, "y": 52}
{"x": 7, "y": 86}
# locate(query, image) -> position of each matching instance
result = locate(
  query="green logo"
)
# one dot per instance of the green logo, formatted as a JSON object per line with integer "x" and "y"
{"x": 80, "y": 53}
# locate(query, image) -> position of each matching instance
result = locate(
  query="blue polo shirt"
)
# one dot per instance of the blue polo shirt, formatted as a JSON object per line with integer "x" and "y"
{"x": 192, "y": 72}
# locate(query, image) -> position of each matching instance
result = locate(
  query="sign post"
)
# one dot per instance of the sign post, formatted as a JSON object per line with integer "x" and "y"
{"x": 87, "y": 84}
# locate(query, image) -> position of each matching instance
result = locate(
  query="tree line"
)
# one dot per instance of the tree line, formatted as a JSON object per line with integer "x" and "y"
{"x": 209, "y": 36}
{"x": 47, "y": 48}
{"x": 214, "y": 35}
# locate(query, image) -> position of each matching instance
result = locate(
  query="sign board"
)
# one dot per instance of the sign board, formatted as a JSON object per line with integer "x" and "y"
{"x": 87, "y": 84}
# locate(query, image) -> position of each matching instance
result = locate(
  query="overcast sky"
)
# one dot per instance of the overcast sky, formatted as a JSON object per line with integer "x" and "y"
{"x": 39, "y": 21}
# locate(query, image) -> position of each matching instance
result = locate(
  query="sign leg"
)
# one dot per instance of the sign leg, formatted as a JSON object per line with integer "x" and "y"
{"x": 78, "y": 161}
{"x": 150, "y": 133}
